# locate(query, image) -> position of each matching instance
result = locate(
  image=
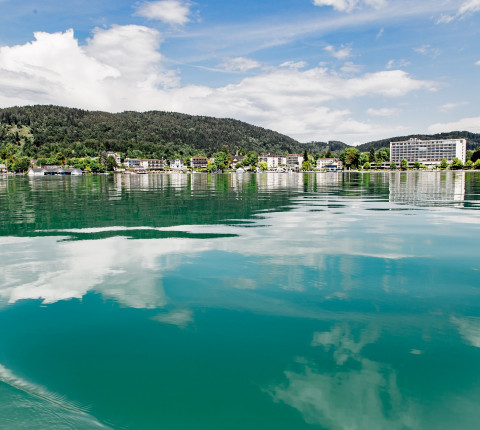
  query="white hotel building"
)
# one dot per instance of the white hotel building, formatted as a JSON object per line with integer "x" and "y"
{"x": 428, "y": 152}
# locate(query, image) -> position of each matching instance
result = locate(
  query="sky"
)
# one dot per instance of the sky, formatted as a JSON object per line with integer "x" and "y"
{"x": 315, "y": 70}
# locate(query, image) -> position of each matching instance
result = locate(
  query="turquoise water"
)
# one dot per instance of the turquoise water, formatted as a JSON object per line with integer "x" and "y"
{"x": 272, "y": 301}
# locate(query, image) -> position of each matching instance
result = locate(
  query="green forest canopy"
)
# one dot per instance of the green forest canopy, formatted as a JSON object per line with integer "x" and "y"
{"x": 41, "y": 131}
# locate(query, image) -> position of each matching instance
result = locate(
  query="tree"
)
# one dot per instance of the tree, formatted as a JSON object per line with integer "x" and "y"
{"x": 477, "y": 164}
{"x": 367, "y": 166}
{"x": 476, "y": 155}
{"x": 404, "y": 164}
{"x": 364, "y": 158}
{"x": 393, "y": 165}
{"x": 221, "y": 160}
{"x": 469, "y": 164}
{"x": 111, "y": 163}
{"x": 456, "y": 164}
{"x": 263, "y": 165}
{"x": 383, "y": 155}
{"x": 444, "y": 163}
{"x": 95, "y": 166}
{"x": 350, "y": 157}
{"x": 305, "y": 155}
{"x": 251, "y": 159}
{"x": 417, "y": 165}
{"x": 371, "y": 155}
{"x": 21, "y": 164}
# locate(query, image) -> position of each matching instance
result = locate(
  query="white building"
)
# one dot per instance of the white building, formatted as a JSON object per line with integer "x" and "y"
{"x": 152, "y": 164}
{"x": 294, "y": 160}
{"x": 428, "y": 152}
{"x": 131, "y": 163}
{"x": 329, "y": 163}
{"x": 177, "y": 164}
{"x": 273, "y": 161}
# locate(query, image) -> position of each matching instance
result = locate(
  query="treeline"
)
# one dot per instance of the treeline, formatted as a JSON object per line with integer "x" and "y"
{"x": 43, "y": 131}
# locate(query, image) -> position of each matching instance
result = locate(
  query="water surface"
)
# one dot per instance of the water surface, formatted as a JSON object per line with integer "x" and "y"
{"x": 272, "y": 301}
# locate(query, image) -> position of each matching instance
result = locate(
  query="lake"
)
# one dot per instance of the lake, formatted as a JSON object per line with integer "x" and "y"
{"x": 240, "y": 301}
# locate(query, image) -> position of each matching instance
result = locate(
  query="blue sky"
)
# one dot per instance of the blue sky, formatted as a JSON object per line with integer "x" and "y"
{"x": 350, "y": 70}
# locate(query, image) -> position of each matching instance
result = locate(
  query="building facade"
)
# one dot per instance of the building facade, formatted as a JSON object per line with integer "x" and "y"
{"x": 177, "y": 164}
{"x": 294, "y": 160}
{"x": 273, "y": 161}
{"x": 152, "y": 164}
{"x": 428, "y": 152}
{"x": 198, "y": 162}
{"x": 131, "y": 163}
{"x": 329, "y": 163}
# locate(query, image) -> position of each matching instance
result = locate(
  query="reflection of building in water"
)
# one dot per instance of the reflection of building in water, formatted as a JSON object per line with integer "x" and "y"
{"x": 419, "y": 188}
{"x": 142, "y": 182}
{"x": 428, "y": 151}
{"x": 178, "y": 180}
{"x": 199, "y": 181}
{"x": 272, "y": 181}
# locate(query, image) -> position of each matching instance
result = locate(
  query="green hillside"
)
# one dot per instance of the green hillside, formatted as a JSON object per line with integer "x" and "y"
{"x": 38, "y": 131}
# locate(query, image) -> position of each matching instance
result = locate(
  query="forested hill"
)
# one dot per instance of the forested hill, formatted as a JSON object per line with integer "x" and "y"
{"x": 42, "y": 130}
{"x": 473, "y": 139}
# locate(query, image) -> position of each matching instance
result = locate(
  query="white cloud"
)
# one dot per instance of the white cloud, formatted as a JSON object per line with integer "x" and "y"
{"x": 428, "y": 50}
{"x": 349, "y": 5}
{"x": 340, "y": 54}
{"x": 382, "y": 112}
{"x": 467, "y": 8}
{"x": 445, "y": 19}
{"x": 351, "y": 68}
{"x": 396, "y": 64}
{"x": 470, "y": 6}
{"x": 168, "y": 11}
{"x": 239, "y": 64}
{"x": 477, "y": 63}
{"x": 464, "y": 124}
{"x": 451, "y": 106}
{"x": 294, "y": 64}
{"x": 121, "y": 69}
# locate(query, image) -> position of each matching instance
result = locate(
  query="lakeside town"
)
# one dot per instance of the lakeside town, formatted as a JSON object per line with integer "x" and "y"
{"x": 402, "y": 155}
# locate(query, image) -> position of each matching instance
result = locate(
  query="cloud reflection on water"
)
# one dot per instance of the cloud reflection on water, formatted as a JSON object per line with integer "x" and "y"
{"x": 356, "y": 394}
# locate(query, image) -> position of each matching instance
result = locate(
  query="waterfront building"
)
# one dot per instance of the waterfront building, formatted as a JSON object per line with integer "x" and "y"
{"x": 36, "y": 171}
{"x": 152, "y": 164}
{"x": 294, "y": 160}
{"x": 331, "y": 164}
{"x": 273, "y": 161}
{"x": 237, "y": 159}
{"x": 131, "y": 163}
{"x": 198, "y": 162}
{"x": 3, "y": 169}
{"x": 428, "y": 152}
{"x": 177, "y": 164}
